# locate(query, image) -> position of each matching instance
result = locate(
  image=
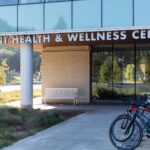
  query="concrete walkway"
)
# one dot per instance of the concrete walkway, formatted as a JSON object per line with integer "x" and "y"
{"x": 88, "y": 131}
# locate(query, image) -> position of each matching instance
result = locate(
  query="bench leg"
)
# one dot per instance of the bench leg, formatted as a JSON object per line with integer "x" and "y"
{"x": 75, "y": 101}
{"x": 44, "y": 101}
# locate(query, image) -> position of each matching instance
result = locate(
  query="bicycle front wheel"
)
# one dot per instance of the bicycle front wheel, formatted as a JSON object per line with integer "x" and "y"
{"x": 118, "y": 128}
{"x": 124, "y": 133}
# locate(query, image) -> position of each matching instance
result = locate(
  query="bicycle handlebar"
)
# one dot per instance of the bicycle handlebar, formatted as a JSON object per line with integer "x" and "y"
{"x": 144, "y": 105}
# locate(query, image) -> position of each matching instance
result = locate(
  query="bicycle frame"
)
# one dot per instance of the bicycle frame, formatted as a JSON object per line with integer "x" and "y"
{"x": 139, "y": 113}
{"x": 144, "y": 119}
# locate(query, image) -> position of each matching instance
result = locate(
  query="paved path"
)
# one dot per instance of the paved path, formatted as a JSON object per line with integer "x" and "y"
{"x": 88, "y": 131}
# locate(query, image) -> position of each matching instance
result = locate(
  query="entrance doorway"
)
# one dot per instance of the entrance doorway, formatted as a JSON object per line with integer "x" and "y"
{"x": 120, "y": 72}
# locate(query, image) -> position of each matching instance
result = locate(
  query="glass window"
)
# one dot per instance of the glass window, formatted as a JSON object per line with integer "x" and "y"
{"x": 30, "y": 17}
{"x": 142, "y": 71}
{"x": 113, "y": 72}
{"x": 8, "y": 19}
{"x": 58, "y": 15}
{"x": 102, "y": 72}
{"x": 30, "y": 1}
{"x": 87, "y": 14}
{"x": 56, "y": 0}
{"x": 8, "y": 2}
{"x": 124, "y": 72}
{"x": 117, "y": 13}
{"x": 142, "y": 12}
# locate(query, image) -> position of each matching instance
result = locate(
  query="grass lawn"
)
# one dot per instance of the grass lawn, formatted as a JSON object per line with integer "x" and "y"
{"x": 15, "y": 95}
{"x": 16, "y": 124}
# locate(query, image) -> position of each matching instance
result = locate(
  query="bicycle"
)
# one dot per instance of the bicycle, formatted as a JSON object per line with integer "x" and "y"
{"x": 126, "y": 131}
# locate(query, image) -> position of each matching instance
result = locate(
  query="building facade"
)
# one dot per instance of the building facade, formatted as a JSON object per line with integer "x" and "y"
{"x": 101, "y": 47}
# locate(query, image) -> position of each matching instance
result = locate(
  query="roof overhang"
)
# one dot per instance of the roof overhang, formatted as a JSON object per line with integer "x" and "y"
{"x": 78, "y": 37}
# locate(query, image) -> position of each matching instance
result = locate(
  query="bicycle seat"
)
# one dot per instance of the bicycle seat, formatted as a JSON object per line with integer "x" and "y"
{"x": 133, "y": 104}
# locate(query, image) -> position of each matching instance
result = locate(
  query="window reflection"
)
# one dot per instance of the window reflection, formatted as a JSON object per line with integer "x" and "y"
{"x": 117, "y": 13}
{"x": 30, "y": 21}
{"x": 55, "y": 0}
{"x": 30, "y": 1}
{"x": 113, "y": 72}
{"x": 8, "y": 2}
{"x": 58, "y": 15}
{"x": 143, "y": 71}
{"x": 87, "y": 14}
{"x": 142, "y": 12}
{"x": 8, "y": 21}
{"x": 102, "y": 72}
{"x": 123, "y": 72}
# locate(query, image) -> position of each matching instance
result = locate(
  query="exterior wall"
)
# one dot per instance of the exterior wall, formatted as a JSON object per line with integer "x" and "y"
{"x": 64, "y": 67}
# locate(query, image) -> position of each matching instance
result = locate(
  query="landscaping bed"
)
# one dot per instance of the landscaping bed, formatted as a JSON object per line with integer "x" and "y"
{"x": 16, "y": 124}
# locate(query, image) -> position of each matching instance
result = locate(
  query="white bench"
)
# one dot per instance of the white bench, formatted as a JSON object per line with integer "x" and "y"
{"x": 61, "y": 93}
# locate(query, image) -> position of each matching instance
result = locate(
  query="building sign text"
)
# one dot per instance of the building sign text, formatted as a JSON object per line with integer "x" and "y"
{"x": 79, "y": 37}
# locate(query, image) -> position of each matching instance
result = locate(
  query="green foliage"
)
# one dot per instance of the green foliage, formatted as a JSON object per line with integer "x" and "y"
{"x": 129, "y": 73}
{"x": 16, "y": 123}
{"x": 12, "y": 55}
{"x": 105, "y": 72}
{"x": 116, "y": 71}
{"x": 61, "y": 24}
{"x": 15, "y": 95}
{"x": 101, "y": 90}
{"x": 36, "y": 62}
{"x": 12, "y": 120}
{"x": 5, "y": 27}
{"x": 3, "y": 71}
{"x": 95, "y": 66}
{"x": 106, "y": 91}
{"x": 2, "y": 75}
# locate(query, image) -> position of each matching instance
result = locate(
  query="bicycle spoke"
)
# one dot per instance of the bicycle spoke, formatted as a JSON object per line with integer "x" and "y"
{"x": 133, "y": 136}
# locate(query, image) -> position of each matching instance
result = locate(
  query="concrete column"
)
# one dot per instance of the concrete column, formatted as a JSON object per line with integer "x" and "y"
{"x": 26, "y": 67}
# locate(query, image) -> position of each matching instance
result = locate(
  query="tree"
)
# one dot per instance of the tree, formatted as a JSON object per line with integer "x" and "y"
{"x": 3, "y": 71}
{"x": 116, "y": 71}
{"x": 5, "y": 65}
{"x": 129, "y": 73}
{"x": 2, "y": 75}
{"x": 105, "y": 72}
{"x": 12, "y": 55}
{"x": 5, "y": 27}
{"x": 36, "y": 62}
{"x": 61, "y": 24}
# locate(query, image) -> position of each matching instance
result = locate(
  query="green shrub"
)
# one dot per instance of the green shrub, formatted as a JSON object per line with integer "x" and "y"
{"x": 7, "y": 136}
{"x": 10, "y": 120}
{"x": 104, "y": 93}
{"x": 19, "y": 123}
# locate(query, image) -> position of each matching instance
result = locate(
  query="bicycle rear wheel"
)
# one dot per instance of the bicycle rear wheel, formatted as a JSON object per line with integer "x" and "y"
{"x": 133, "y": 137}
